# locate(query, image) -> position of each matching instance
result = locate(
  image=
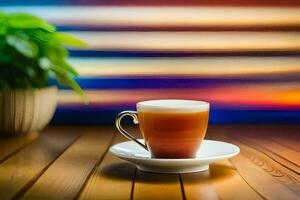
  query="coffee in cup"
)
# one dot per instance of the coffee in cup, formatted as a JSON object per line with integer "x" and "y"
{"x": 170, "y": 128}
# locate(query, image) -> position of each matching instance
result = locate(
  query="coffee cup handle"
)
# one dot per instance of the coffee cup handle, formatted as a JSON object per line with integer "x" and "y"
{"x": 119, "y": 118}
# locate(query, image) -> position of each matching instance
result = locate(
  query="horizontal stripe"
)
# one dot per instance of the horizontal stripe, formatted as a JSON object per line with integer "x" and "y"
{"x": 192, "y": 41}
{"x": 267, "y": 96}
{"x": 153, "y": 54}
{"x": 217, "y": 116}
{"x": 165, "y": 16}
{"x": 157, "y": 2}
{"x": 109, "y": 28}
{"x": 214, "y": 67}
{"x": 173, "y": 82}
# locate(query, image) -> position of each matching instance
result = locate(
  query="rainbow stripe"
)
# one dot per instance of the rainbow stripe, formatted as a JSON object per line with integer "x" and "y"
{"x": 244, "y": 60}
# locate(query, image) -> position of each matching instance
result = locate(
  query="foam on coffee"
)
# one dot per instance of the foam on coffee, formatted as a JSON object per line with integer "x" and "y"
{"x": 173, "y": 105}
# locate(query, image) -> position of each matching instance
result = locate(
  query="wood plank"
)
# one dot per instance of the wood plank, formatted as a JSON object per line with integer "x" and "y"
{"x": 9, "y": 146}
{"x": 285, "y": 176}
{"x": 276, "y": 133}
{"x": 67, "y": 175}
{"x": 21, "y": 170}
{"x": 265, "y": 139}
{"x": 256, "y": 172}
{"x": 156, "y": 186}
{"x": 291, "y": 142}
{"x": 279, "y": 171}
{"x": 261, "y": 138}
{"x": 274, "y": 156}
{"x": 217, "y": 183}
{"x": 112, "y": 179}
{"x": 263, "y": 182}
{"x": 250, "y": 134}
{"x": 198, "y": 186}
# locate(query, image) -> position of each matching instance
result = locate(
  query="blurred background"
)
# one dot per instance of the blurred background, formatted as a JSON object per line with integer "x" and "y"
{"x": 241, "y": 56}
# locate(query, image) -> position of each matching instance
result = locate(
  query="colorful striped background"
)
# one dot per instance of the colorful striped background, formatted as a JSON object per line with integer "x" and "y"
{"x": 244, "y": 60}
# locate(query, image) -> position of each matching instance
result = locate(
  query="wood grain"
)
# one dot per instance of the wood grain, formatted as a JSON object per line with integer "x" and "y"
{"x": 59, "y": 165}
{"x": 112, "y": 179}
{"x": 19, "y": 171}
{"x": 261, "y": 181}
{"x": 65, "y": 177}
{"x": 282, "y": 134}
{"x": 276, "y": 148}
{"x": 198, "y": 186}
{"x": 259, "y": 174}
{"x": 286, "y": 135}
{"x": 283, "y": 161}
{"x": 217, "y": 183}
{"x": 150, "y": 185}
{"x": 157, "y": 186}
{"x": 9, "y": 146}
{"x": 292, "y": 141}
{"x": 261, "y": 138}
{"x": 286, "y": 177}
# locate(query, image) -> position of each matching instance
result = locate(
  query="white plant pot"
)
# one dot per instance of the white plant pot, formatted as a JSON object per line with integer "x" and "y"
{"x": 26, "y": 111}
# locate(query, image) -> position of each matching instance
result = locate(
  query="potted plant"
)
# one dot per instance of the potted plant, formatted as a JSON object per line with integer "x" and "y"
{"x": 31, "y": 53}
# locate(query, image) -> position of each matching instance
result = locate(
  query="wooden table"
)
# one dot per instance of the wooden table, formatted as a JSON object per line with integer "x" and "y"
{"x": 74, "y": 163}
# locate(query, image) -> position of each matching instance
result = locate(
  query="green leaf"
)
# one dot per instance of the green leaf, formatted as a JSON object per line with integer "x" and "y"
{"x": 3, "y": 29}
{"x": 30, "y": 72}
{"x": 27, "y": 21}
{"x": 68, "y": 68}
{"x": 64, "y": 78}
{"x": 5, "y": 58}
{"x": 53, "y": 51}
{"x": 74, "y": 85}
{"x": 3, "y": 26}
{"x": 25, "y": 47}
{"x": 61, "y": 66}
{"x": 45, "y": 63}
{"x": 2, "y": 42}
{"x": 4, "y": 85}
{"x": 31, "y": 52}
{"x": 69, "y": 40}
{"x": 40, "y": 35}
{"x": 3, "y": 16}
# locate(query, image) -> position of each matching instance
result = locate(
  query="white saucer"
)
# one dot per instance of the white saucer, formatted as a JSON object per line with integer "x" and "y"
{"x": 209, "y": 152}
